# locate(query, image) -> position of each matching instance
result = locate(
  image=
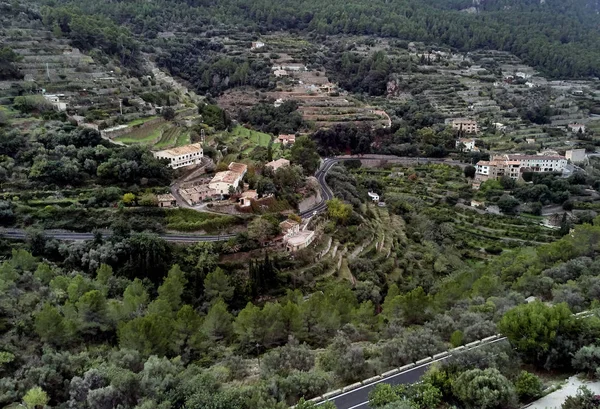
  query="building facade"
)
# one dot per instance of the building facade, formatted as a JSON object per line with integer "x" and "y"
{"x": 468, "y": 143}
{"x": 166, "y": 200}
{"x": 286, "y": 139}
{"x": 182, "y": 156}
{"x": 514, "y": 165}
{"x": 576, "y": 128}
{"x": 576, "y": 155}
{"x": 222, "y": 182}
{"x": 465, "y": 125}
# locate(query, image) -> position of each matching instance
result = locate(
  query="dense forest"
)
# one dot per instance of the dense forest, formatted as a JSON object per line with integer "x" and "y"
{"x": 203, "y": 65}
{"x": 145, "y": 335}
{"x": 560, "y": 38}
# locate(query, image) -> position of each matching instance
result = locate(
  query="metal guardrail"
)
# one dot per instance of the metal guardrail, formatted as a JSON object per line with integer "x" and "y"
{"x": 396, "y": 371}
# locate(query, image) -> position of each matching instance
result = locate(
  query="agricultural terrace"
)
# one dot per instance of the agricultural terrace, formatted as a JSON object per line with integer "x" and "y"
{"x": 243, "y": 143}
{"x": 442, "y": 193}
{"x": 159, "y": 134}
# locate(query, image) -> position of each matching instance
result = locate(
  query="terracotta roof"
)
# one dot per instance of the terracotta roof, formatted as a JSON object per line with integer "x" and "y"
{"x": 533, "y": 157}
{"x": 226, "y": 176}
{"x": 287, "y": 224}
{"x": 288, "y": 137}
{"x": 196, "y": 189}
{"x": 251, "y": 194}
{"x": 238, "y": 167}
{"x": 279, "y": 163}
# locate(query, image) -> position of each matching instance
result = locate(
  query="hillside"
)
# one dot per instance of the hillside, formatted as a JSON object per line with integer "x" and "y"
{"x": 129, "y": 282}
{"x": 560, "y": 38}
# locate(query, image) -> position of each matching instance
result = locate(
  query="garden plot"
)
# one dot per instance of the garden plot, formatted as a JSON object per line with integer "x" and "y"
{"x": 144, "y": 135}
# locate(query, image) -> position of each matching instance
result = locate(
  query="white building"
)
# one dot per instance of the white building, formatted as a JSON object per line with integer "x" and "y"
{"x": 223, "y": 181}
{"x": 289, "y": 67}
{"x": 182, "y": 156}
{"x": 256, "y": 45}
{"x": 514, "y": 165}
{"x": 468, "y": 143}
{"x": 575, "y": 155}
{"x": 294, "y": 238}
{"x": 499, "y": 126}
{"x": 576, "y": 128}
{"x": 374, "y": 196}
{"x": 56, "y": 102}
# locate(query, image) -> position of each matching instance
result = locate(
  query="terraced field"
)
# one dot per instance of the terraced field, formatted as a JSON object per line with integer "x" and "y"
{"x": 147, "y": 135}
{"x": 159, "y": 135}
{"x": 429, "y": 189}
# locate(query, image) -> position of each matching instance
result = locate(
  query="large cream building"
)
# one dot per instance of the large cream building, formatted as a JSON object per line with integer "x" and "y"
{"x": 228, "y": 178}
{"x": 513, "y": 165}
{"x": 182, "y": 156}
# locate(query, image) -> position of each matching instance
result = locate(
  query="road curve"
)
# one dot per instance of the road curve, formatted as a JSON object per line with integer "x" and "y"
{"x": 359, "y": 398}
{"x": 20, "y": 234}
{"x": 328, "y": 163}
{"x": 320, "y": 175}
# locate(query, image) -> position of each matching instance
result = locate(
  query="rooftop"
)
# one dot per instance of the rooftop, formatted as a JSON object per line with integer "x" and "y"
{"x": 251, "y": 194}
{"x": 239, "y": 168}
{"x": 183, "y": 150}
{"x": 300, "y": 237}
{"x": 168, "y": 197}
{"x": 276, "y": 164}
{"x": 226, "y": 176}
{"x": 534, "y": 157}
{"x": 196, "y": 189}
{"x": 287, "y": 224}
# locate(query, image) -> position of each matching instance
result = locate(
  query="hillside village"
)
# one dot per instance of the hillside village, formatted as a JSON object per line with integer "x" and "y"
{"x": 265, "y": 205}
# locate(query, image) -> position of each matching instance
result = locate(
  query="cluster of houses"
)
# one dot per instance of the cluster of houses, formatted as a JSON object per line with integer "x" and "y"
{"x": 514, "y": 165}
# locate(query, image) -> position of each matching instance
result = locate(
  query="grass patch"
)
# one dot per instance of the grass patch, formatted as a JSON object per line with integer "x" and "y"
{"x": 140, "y": 121}
{"x": 168, "y": 138}
{"x": 183, "y": 139}
{"x": 258, "y": 138}
{"x": 143, "y": 136}
{"x": 190, "y": 221}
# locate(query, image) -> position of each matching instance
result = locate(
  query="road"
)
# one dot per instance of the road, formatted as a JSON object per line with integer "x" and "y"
{"x": 359, "y": 398}
{"x": 20, "y": 234}
{"x": 321, "y": 174}
{"x": 326, "y": 193}
{"x": 328, "y": 163}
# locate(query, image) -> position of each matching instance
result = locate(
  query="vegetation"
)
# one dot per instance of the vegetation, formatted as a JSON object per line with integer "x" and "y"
{"x": 132, "y": 321}
{"x": 525, "y": 29}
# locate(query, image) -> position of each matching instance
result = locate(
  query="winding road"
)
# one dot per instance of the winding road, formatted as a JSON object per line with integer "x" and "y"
{"x": 321, "y": 175}
{"x": 328, "y": 163}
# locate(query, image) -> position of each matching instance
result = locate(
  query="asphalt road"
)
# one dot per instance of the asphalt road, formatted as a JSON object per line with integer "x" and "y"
{"x": 328, "y": 163}
{"x": 359, "y": 398}
{"x": 321, "y": 174}
{"x": 20, "y": 234}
